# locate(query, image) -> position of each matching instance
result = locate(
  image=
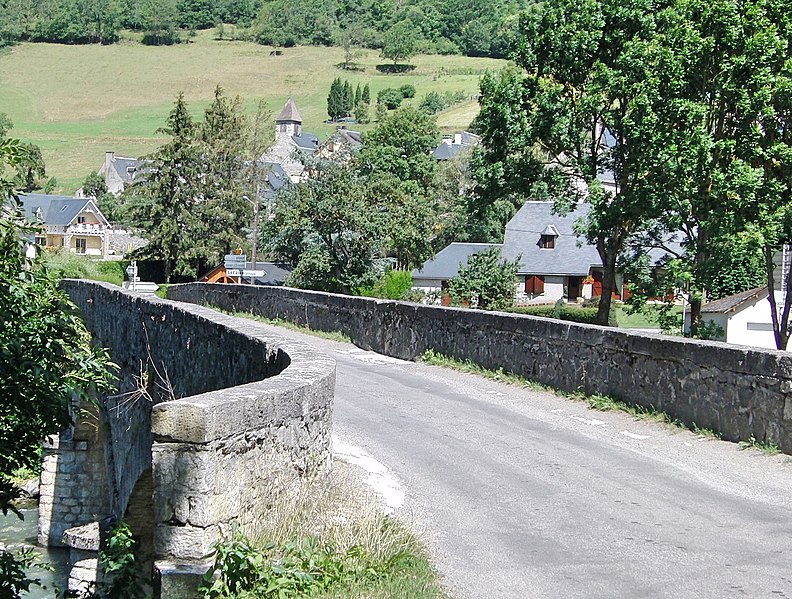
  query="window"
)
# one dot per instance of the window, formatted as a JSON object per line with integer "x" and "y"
{"x": 80, "y": 245}
{"x": 41, "y": 241}
{"x": 80, "y": 220}
{"x": 547, "y": 242}
{"x": 534, "y": 285}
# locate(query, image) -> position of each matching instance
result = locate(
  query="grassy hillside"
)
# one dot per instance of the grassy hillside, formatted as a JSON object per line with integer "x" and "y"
{"x": 76, "y": 102}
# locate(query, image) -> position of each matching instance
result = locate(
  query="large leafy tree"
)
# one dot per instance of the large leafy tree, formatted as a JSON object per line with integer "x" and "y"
{"x": 47, "y": 360}
{"x": 397, "y": 163}
{"x": 587, "y": 96}
{"x": 399, "y": 42}
{"x": 719, "y": 85}
{"x": 325, "y": 228}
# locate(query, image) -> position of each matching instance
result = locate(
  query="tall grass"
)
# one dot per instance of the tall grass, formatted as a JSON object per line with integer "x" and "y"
{"x": 66, "y": 265}
{"x": 328, "y": 538}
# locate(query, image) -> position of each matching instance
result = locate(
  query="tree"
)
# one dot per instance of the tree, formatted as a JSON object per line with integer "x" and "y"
{"x": 399, "y": 42}
{"x": 584, "y": 107}
{"x": 728, "y": 56}
{"x": 486, "y": 282}
{"x": 401, "y": 145}
{"x": 31, "y": 169}
{"x": 366, "y": 94}
{"x": 335, "y": 99}
{"x": 326, "y": 229}
{"x": 94, "y": 186}
{"x": 47, "y": 360}
{"x": 348, "y": 102}
{"x": 348, "y": 38}
{"x": 163, "y": 204}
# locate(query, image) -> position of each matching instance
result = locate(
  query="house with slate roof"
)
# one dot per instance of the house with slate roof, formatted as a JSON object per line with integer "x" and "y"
{"x": 450, "y": 146}
{"x": 290, "y": 142}
{"x": 120, "y": 172}
{"x": 554, "y": 262}
{"x": 745, "y": 318}
{"x": 76, "y": 224}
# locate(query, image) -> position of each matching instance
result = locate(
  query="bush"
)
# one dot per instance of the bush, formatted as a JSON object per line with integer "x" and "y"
{"x": 407, "y": 90}
{"x": 394, "y": 284}
{"x": 390, "y": 97}
{"x": 433, "y": 102}
{"x": 65, "y": 265}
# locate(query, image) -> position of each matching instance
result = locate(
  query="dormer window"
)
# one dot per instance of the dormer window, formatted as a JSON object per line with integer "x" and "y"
{"x": 548, "y": 237}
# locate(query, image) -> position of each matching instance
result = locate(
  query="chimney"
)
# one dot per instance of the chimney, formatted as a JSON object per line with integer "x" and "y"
{"x": 109, "y": 158}
{"x": 458, "y": 139}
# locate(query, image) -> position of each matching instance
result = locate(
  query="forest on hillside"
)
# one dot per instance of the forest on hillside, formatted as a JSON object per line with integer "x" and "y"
{"x": 469, "y": 27}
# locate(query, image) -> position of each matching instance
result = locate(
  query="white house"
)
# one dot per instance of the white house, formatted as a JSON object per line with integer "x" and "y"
{"x": 119, "y": 172}
{"x": 744, "y": 317}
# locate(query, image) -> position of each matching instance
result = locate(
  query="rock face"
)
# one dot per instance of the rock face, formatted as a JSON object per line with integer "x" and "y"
{"x": 213, "y": 418}
{"x": 740, "y": 392}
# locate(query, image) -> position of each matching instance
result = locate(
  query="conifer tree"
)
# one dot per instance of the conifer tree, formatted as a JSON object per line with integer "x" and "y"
{"x": 366, "y": 95}
{"x": 348, "y": 99}
{"x": 335, "y": 99}
{"x": 358, "y": 97}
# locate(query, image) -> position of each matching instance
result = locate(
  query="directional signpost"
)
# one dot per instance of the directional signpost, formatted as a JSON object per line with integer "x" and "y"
{"x": 234, "y": 265}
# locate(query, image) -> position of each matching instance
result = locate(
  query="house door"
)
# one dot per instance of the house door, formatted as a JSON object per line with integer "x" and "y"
{"x": 596, "y": 286}
{"x": 573, "y": 288}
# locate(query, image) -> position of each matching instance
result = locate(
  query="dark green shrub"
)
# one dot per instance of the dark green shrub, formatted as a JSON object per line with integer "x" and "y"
{"x": 407, "y": 90}
{"x": 390, "y": 97}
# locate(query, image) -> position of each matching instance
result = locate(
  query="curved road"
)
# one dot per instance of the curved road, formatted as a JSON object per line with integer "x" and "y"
{"x": 529, "y": 495}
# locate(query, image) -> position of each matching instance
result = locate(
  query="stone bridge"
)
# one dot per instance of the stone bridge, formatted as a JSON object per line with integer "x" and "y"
{"x": 212, "y": 418}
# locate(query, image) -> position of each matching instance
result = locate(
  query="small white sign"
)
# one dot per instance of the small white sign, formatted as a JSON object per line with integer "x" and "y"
{"x": 233, "y": 272}
{"x": 253, "y": 273}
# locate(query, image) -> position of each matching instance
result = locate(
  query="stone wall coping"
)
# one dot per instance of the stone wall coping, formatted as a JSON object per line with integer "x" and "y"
{"x": 84, "y": 537}
{"x": 219, "y": 414}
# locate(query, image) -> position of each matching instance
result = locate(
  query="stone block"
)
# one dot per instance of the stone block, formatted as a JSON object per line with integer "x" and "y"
{"x": 176, "y": 580}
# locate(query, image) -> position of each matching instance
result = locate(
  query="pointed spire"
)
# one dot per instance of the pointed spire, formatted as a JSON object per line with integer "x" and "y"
{"x": 289, "y": 113}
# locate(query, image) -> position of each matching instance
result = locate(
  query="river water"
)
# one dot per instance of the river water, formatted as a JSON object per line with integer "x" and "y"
{"x": 16, "y": 533}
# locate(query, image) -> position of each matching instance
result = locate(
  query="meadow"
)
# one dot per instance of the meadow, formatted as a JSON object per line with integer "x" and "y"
{"x": 76, "y": 102}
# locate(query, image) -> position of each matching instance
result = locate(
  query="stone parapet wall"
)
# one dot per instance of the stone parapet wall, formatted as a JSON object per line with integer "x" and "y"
{"x": 740, "y": 392}
{"x": 223, "y": 412}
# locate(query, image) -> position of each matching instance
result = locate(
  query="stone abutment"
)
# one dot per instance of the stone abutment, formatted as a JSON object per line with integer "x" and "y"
{"x": 213, "y": 417}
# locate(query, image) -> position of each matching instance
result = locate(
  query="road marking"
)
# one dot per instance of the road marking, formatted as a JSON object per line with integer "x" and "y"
{"x": 592, "y": 422}
{"x": 379, "y": 477}
{"x": 634, "y": 435}
{"x": 371, "y": 357}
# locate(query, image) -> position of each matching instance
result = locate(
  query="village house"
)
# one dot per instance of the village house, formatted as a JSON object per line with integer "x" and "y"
{"x": 75, "y": 224}
{"x": 119, "y": 172}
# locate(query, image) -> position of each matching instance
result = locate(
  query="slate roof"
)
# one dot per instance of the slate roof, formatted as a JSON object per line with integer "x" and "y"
{"x": 733, "y": 302}
{"x": 275, "y": 273}
{"x": 566, "y": 258}
{"x": 274, "y": 178}
{"x": 449, "y": 147}
{"x": 445, "y": 265}
{"x": 54, "y": 210}
{"x": 289, "y": 113}
{"x": 306, "y": 141}
{"x": 128, "y": 168}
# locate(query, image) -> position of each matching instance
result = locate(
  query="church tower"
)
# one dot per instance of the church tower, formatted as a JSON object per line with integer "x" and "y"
{"x": 289, "y": 120}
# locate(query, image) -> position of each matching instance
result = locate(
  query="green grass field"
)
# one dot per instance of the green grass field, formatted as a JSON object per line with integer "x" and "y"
{"x": 77, "y": 102}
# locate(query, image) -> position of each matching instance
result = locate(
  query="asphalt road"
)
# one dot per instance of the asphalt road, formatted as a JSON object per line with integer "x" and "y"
{"x": 525, "y": 494}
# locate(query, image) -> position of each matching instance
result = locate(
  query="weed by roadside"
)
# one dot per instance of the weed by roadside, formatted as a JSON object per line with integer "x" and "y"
{"x": 767, "y": 447}
{"x": 326, "y": 539}
{"x": 434, "y": 358}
